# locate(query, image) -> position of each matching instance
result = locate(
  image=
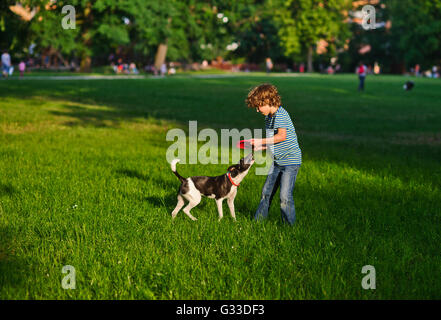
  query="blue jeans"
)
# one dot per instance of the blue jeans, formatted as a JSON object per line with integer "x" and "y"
{"x": 361, "y": 85}
{"x": 285, "y": 177}
{"x": 5, "y": 69}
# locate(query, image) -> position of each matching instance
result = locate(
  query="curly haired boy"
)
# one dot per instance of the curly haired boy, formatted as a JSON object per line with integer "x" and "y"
{"x": 281, "y": 138}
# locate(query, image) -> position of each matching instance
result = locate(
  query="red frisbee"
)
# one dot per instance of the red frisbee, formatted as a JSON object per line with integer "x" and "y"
{"x": 244, "y": 144}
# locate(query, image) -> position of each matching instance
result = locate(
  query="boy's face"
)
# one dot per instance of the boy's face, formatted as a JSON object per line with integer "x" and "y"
{"x": 265, "y": 109}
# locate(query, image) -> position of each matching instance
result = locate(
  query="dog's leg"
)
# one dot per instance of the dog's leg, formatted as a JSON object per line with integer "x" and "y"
{"x": 193, "y": 202}
{"x": 187, "y": 209}
{"x": 230, "y": 202}
{"x": 178, "y": 206}
{"x": 219, "y": 208}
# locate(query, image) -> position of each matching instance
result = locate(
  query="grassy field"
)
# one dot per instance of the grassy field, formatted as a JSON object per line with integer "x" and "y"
{"x": 84, "y": 182}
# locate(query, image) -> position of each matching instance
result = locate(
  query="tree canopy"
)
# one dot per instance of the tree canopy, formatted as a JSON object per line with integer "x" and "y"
{"x": 302, "y": 23}
{"x": 247, "y": 30}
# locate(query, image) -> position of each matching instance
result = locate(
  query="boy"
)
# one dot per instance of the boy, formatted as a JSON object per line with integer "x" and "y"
{"x": 282, "y": 141}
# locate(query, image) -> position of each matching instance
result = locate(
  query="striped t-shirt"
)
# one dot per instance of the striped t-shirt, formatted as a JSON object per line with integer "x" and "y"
{"x": 285, "y": 152}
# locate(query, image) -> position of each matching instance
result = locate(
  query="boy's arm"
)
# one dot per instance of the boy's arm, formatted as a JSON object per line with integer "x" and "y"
{"x": 260, "y": 144}
{"x": 279, "y": 137}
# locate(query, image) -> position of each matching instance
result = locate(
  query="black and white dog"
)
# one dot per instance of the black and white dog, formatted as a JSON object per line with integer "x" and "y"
{"x": 408, "y": 85}
{"x": 221, "y": 187}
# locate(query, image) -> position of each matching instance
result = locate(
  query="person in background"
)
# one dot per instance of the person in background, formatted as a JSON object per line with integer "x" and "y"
{"x": 21, "y": 68}
{"x": 435, "y": 72}
{"x": 417, "y": 70}
{"x": 376, "y": 68}
{"x": 269, "y": 65}
{"x": 133, "y": 68}
{"x": 163, "y": 69}
{"x": 330, "y": 70}
{"x": 6, "y": 63}
{"x": 119, "y": 66}
{"x": 361, "y": 71}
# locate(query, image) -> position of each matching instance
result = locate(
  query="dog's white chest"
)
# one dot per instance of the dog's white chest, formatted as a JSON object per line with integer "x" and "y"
{"x": 232, "y": 193}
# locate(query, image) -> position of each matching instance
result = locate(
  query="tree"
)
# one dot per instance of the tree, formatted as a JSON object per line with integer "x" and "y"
{"x": 47, "y": 32}
{"x": 382, "y": 45}
{"x": 214, "y": 28}
{"x": 101, "y": 26}
{"x": 416, "y": 30}
{"x": 302, "y": 23}
{"x": 14, "y": 33}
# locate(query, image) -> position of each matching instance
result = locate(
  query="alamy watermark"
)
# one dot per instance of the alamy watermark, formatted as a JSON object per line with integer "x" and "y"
{"x": 69, "y": 281}
{"x": 209, "y": 153}
{"x": 369, "y": 17}
{"x": 68, "y": 21}
{"x": 369, "y": 281}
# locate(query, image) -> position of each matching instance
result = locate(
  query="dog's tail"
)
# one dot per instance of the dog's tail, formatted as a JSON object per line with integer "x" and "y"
{"x": 173, "y": 167}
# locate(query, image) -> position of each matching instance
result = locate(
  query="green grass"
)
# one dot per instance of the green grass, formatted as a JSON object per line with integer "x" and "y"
{"x": 84, "y": 182}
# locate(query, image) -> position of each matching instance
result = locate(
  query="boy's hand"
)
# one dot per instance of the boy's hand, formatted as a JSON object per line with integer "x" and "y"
{"x": 257, "y": 144}
{"x": 259, "y": 148}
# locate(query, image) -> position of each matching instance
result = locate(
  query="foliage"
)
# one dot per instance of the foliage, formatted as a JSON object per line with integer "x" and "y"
{"x": 381, "y": 41}
{"x": 302, "y": 23}
{"x": 13, "y": 32}
{"x": 261, "y": 41}
{"x": 191, "y": 29}
{"x": 250, "y": 30}
{"x": 416, "y": 26}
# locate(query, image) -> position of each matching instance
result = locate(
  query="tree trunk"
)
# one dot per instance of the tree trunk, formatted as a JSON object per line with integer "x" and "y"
{"x": 86, "y": 60}
{"x": 310, "y": 52}
{"x": 86, "y": 63}
{"x": 161, "y": 53}
{"x": 60, "y": 56}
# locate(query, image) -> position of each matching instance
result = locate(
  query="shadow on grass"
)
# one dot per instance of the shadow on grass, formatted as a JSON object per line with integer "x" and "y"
{"x": 90, "y": 118}
{"x": 7, "y": 189}
{"x": 13, "y": 270}
{"x": 407, "y": 163}
{"x": 132, "y": 174}
{"x": 12, "y": 273}
{"x": 151, "y": 179}
{"x": 119, "y": 100}
{"x": 169, "y": 201}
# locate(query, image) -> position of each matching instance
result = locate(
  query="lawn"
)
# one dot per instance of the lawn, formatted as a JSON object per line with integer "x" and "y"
{"x": 84, "y": 182}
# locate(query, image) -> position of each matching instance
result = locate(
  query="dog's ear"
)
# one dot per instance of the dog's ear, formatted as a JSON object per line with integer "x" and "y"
{"x": 233, "y": 170}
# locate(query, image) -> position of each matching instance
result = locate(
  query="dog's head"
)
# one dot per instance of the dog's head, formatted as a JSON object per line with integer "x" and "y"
{"x": 240, "y": 170}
